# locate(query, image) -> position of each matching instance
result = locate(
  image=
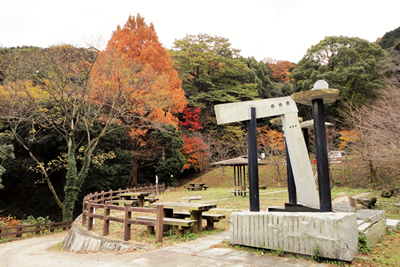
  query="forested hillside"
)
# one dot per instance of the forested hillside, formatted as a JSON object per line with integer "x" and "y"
{"x": 78, "y": 120}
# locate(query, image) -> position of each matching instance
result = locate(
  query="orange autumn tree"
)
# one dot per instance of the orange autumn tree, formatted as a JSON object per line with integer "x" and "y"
{"x": 195, "y": 152}
{"x": 137, "y": 40}
{"x": 347, "y": 137}
{"x": 279, "y": 69}
{"x": 272, "y": 143}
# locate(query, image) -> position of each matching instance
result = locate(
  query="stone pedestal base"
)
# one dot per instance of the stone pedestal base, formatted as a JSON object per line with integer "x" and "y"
{"x": 334, "y": 234}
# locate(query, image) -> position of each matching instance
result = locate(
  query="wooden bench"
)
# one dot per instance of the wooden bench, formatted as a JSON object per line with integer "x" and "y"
{"x": 181, "y": 223}
{"x": 240, "y": 190}
{"x": 190, "y": 188}
{"x": 211, "y": 218}
{"x": 133, "y": 201}
{"x": 260, "y": 186}
{"x": 122, "y": 202}
{"x": 150, "y": 199}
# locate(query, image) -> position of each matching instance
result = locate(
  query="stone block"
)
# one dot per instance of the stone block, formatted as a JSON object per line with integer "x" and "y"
{"x": 387, "y": 193}
{"x": 359, "y": 222}
{"x": 392, "y": 224}
{"x": 344, "y": 204}
{"x": 361, "y": 207}
{"x": 370, "y": 215}
{"x": 375, "y": 232}
{"x": 335, "y": 234}
{"x": 341, "y": 194}
{"x": 366, "y": 199}
{"x": 364, "y": 226}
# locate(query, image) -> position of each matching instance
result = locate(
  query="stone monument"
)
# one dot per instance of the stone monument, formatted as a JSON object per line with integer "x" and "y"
{"x": 335, "y": 235}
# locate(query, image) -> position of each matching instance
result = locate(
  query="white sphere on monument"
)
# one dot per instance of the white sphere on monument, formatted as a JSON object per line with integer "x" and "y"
{"x": 320, "y": 84}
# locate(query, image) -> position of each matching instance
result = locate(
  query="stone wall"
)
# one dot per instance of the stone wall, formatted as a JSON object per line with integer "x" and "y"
{"x": 334, "y": 234}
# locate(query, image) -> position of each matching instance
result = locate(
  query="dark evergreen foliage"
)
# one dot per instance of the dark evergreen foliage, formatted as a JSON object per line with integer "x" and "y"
{"x": 389, "y": 39}
{"x": 169, "y": 160}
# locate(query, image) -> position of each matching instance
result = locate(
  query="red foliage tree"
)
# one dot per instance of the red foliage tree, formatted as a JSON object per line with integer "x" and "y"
{"x": 191, "y": 119}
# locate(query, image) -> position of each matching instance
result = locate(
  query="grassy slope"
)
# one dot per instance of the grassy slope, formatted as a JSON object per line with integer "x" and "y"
{"x": 351, "y": 177}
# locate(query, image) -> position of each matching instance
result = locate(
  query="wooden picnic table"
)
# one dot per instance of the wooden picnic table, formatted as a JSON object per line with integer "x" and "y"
{"x": 140, "y": 197}
{"x": 195, "y": 210}
{"x": 196, "y": 186}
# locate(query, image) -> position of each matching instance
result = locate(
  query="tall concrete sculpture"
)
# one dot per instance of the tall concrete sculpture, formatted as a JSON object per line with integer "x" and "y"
{"x": 287, "y": 109}
{"x": 333, "y": 234}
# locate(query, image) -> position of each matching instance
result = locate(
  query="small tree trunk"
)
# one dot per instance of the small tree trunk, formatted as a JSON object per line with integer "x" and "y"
{"x": 133, "y": 181}
{"x": 71, "y": 190}
{"x": 372, "y": 170}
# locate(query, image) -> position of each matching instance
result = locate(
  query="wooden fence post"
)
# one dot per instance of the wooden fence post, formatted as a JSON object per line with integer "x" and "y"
{"x": 37, "y": 228}
{"x": 102, "y": 196}
{"x": 66, "y": 224}
{"x": 19, "y": 229}
{"x": 106, "y": 221}
{"x": 83, "y": 211}
{"x": 159, "y": 223}
{"x": 127, "y": 229}
{"x": 110, "y": 196}
{"x": 90, "y": 217}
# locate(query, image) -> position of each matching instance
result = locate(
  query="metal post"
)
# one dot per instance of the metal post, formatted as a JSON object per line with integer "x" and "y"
{"x": 253, "y": 161}
{"x": 290, "y": 179}
{"x": 240, "y": 177}
{"x": 325, "y": 201}
{"x": 156, "y": 185}
{"x": 234, "y": 175}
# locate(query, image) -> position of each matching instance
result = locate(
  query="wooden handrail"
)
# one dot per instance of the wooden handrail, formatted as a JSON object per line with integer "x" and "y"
{"x": 103, "y": 196}
{"x": 37, "y": 228}
{"x": 127, "y": 220}
{"x": 103, "y": 200}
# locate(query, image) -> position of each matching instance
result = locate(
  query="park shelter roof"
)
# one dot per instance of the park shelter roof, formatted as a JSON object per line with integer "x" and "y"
{"x": 239, "y": 161}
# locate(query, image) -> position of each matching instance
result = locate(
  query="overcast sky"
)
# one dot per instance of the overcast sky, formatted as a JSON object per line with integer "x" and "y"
{"x": 280, "y": 29}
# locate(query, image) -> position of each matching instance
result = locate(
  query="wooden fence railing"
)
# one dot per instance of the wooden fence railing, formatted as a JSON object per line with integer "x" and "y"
{"x": 103, "y": 200}
{"x": 38, "y": 228}
{"x": 103, "y": 196}
{"x": 89, "y": 215}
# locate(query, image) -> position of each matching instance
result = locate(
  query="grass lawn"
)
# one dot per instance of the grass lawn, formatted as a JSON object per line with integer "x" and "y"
{"x": 385, "y": 253}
